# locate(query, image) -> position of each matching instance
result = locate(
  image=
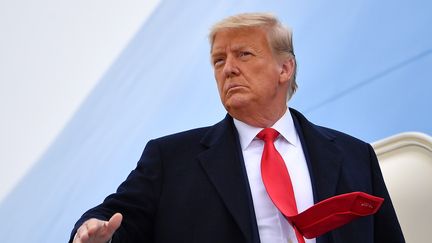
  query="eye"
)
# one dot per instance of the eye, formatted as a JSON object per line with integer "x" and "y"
{"x": 218, "y": 62}
{"x": 245, "y": 54}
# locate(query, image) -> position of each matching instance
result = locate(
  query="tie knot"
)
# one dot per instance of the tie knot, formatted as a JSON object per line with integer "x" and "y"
{"x": 268, "y": 134}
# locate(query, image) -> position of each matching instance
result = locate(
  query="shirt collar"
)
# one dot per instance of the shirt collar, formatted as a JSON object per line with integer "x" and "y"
{"x": 285, "y": 127}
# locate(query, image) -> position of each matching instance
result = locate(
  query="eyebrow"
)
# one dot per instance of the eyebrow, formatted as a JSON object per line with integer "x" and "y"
{"x": 218, "y": 51}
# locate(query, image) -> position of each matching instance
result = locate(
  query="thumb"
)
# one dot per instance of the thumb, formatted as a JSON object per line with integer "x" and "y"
{"x": 114, "y": 223}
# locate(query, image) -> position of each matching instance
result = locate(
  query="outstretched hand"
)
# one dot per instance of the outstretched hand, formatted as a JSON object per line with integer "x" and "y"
{"x": 98, "y": 231}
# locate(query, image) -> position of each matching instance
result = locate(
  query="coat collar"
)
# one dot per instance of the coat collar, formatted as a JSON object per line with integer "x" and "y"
{"x": 322, "y": 154}
{"x": 223, "y": 164}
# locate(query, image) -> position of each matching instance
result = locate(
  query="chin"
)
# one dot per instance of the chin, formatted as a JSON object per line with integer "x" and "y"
{"x": 236, "y": 104}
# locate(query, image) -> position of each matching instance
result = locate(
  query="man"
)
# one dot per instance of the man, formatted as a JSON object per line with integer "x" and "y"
{"x": 206, "y": 185}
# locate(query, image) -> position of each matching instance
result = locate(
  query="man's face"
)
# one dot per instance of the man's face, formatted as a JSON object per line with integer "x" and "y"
{"x": 248, "y": 76}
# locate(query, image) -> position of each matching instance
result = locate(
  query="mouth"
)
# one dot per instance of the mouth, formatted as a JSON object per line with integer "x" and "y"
{"x": 233, "y": 87}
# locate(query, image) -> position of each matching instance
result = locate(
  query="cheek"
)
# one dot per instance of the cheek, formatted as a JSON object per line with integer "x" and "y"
{"x": 219, "y": 83}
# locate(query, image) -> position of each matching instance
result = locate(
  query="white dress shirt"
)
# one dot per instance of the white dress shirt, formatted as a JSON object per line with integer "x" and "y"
{"x": 272, "y": 226}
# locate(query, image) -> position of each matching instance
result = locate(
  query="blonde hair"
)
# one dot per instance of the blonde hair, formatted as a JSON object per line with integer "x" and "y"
{"x": 278, "y": 35}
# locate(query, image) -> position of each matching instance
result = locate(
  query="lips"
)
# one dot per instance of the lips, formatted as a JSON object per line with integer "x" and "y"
{"x": 233, "y": 86}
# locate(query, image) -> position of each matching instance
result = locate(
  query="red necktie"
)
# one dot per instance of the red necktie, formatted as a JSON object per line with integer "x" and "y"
{"x": 276, "y": 178}
{"x": 334, "y": 212}
{"x": 322, "y": 217}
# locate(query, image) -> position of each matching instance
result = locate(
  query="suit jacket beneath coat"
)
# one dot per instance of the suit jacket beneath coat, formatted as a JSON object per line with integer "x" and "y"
{"x": 192, "y": 187}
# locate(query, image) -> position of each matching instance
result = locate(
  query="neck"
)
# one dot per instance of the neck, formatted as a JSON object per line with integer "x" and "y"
{"x": 260, "y": 119}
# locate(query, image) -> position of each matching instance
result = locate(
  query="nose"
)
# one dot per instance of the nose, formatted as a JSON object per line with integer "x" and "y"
{"x": 230, "y": 68}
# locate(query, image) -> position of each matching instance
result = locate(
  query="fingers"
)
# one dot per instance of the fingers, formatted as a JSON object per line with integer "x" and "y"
{"x": 82, "y": 234}
{"x": 86, "y": 230}
{"x": 114, "y": 223}
{"x": 95, "y": 230}
{"x": 77, "y": 238}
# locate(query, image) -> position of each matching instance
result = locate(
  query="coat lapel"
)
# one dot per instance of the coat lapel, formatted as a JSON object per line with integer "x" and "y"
{"x": 323, "y": 156}
{"x": 223, "y": 164}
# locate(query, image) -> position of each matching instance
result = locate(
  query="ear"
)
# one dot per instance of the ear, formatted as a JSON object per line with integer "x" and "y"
{"x": 286, "y": 70}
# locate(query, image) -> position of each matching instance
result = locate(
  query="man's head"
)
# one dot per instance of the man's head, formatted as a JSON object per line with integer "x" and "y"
{"x": 254, "y": 65}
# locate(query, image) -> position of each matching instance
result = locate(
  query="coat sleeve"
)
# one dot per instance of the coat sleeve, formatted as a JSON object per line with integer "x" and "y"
{"x": 136, "y": 198}
{"x": 386, "y": 225}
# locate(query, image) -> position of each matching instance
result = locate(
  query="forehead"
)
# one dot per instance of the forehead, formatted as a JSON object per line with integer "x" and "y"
{"x": 238, "y": 38}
